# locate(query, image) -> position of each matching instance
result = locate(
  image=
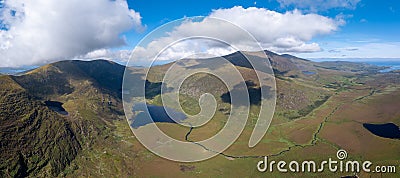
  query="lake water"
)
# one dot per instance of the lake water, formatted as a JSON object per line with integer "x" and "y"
{"x": 388, "y": 130}
{"x": 157, "y": 113}
{"x": 56, "y": 106}
{"x": 309, "y": 73}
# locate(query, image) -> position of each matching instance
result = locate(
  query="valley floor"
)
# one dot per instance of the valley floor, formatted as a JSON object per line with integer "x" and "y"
{"x": 336, "y": 124}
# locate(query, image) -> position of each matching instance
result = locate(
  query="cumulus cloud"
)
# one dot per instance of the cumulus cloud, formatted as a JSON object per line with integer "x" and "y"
{"x": 40, "y": 31}
{"x": 319, "y": 5}
{"x": 280, "y": 32}
{"x": 287, "y": 32}
{"x": 121, "y": 56}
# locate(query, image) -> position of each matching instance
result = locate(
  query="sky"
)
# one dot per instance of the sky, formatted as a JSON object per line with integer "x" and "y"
{"x": 42, "y": 31}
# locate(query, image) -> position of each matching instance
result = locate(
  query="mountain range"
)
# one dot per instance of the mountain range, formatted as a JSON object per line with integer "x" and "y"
{"x": 58, "y": 117}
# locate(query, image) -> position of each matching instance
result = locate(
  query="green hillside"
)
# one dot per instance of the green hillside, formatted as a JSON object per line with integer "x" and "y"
{"x": 67, "y": 119}
{"x": 43, "y": 140}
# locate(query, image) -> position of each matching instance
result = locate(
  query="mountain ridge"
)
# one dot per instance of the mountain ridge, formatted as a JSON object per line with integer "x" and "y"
{"x": 91, "y": 94}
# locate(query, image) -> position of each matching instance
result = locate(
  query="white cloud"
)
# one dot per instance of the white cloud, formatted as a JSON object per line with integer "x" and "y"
{"x": 267, "y": 25}
{"x": 116, "y": 55}
{"x": 319, "y": 5}
{"x": 280, "y": 32}
{"x": 42, "y": 31}
{"x": 100, "y": 53}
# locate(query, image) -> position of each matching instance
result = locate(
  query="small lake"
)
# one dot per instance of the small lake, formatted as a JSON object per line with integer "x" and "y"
{"x": 157, "y": 113}
{"x": 309, "y": 73}
{"x": 388, "y": 130}
{"x": 56, "y": 106}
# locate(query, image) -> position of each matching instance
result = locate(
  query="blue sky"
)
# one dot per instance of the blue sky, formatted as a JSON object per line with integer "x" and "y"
{"x": 157, "y": 12}
{"x": 41, "y": 31}
{"x": 368, "y": 23}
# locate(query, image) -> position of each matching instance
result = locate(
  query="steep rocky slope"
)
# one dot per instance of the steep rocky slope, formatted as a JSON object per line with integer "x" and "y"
{"x": 36, "y": 138}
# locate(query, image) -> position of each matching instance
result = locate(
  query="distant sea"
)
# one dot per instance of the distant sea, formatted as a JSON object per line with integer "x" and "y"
{"x": 392, "y": 65}
{"x": 14, "y": 71}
